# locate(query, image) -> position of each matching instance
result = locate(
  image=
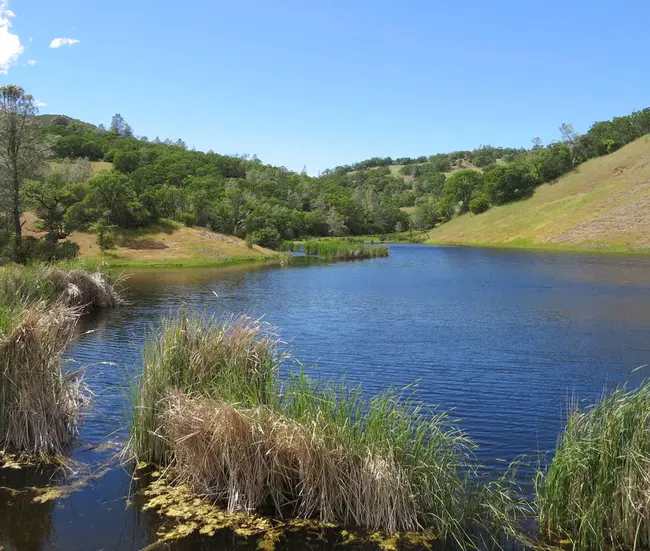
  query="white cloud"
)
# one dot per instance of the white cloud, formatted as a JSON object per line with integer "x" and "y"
{"x": 31, "y": 62}
{"x": 39, "y": 103}
{"x": 10, "y": 46}
{"x": 58, "y": 42}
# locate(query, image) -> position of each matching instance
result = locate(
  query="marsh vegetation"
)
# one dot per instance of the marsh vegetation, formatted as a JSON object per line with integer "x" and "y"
{"x": 211, "y": 403}
{"x": 39, "y": 308}
{"x": 336, "y": 249}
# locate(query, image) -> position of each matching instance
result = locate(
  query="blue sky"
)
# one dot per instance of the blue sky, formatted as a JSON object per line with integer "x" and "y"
{"x": 323, "y": 83}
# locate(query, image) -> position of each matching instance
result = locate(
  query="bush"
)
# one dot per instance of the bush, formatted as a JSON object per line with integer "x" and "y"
{"x": 479, "y": 204}
{"x": 267, "y": 237}
{"x": 188, "y": 218}
{"x": 105, "y": 235}
{"x": 32, "y": 249}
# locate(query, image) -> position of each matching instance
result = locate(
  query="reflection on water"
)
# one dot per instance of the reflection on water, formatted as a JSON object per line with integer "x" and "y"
{"x": 501, "y": 338}
{"x": 25, "y": 524}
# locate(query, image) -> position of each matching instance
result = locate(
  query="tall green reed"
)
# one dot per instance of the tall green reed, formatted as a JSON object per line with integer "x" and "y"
{"x": 210, "y": 401}
{"x": 596, "y": 491}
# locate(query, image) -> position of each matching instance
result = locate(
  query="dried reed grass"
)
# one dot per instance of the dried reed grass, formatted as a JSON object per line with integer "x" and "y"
{"x": 39, "y": 405}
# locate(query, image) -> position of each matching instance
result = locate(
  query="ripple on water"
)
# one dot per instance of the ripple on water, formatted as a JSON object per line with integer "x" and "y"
{"x": 502, "y": 339}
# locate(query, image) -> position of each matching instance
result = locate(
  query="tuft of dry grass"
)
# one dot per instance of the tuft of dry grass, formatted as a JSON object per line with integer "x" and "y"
{"x": 235, "y": 360}
{"x": 85, "y": 289}
{"x": 254, "y": 458}
{"x": 211, "y": 403}
{"x": 77, "y": 288}
{"x": 39, "y": 405}
{"x": 39, "y": 308}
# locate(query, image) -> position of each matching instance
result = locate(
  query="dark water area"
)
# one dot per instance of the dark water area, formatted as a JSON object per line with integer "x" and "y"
{"x": 503, "y": 339}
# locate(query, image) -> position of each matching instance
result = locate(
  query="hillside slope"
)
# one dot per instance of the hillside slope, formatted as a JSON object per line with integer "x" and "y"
{"x": 603, "y": 204}
{"x": 165, "y": 244}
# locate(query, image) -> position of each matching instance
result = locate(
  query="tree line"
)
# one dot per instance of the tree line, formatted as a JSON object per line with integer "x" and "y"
{"x": 46, "y": 166}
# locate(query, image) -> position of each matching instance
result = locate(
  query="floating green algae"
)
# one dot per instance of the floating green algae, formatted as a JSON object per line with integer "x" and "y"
{"x": 184, "y": 514}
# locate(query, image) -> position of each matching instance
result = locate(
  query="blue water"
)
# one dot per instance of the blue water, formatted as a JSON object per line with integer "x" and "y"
{"x": 503, "y": 339}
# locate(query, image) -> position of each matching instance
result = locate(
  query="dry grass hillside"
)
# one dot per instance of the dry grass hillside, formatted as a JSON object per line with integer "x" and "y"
{"x": 164, "y": 244}
{"x": 603, "y": 204}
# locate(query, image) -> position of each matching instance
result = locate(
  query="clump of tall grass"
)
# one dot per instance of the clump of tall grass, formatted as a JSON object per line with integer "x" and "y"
{"x": 211, "y": 403}
{"x": 51, "y": 284}
{"x": 39, "y": 307}
{"x": 596, "y": 492}
{"x": 202, "y": 356}
{"x": 337, "y": 250}
{"x": 39, "y": 405}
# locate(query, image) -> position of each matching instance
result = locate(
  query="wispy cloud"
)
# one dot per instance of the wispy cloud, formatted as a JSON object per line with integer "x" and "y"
{"x": 10, "y": 46}
{"x": 58, "y": 42}
{"x": 31, "y": 62}
{"x": 39, "y": 103}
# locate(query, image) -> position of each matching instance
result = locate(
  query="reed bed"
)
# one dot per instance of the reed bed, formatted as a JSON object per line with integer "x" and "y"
{"x": 337, "y": 250}
{"x": 596, "y": 492}
{"x": 211, "y": 403}
{"x": 39, "y": 308}
{"x": 234, "y": 360}
{"x": 39, "y": 404}
{"x": 49, "y": 283}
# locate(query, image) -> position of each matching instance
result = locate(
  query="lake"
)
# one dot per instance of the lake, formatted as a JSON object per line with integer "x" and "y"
{"x": 502, "y": 339}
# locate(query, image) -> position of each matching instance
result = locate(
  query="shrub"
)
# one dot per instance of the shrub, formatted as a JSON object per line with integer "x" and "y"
{"x": 105, "y": 235}
{"x": 480, "y": 203}
{"x": 267, "y": 237}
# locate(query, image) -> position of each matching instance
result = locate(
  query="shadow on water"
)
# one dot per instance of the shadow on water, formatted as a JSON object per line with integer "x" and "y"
{"x": 25, "y": 524}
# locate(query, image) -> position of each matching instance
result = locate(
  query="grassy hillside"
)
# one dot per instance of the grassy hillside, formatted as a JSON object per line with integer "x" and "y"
{"x": 101, "y": 166}
{"x": 603, "y": 204}
{"x": 165, "y": 244}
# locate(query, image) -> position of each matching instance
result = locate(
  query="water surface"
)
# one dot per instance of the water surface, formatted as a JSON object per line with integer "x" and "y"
{"x": 504, "y": 339}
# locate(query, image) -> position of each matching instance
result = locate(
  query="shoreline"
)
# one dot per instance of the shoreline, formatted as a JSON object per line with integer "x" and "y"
{"x": 184, "y": 262}
{"x": 543, "y": 247}
{"x": 519, "y": 245}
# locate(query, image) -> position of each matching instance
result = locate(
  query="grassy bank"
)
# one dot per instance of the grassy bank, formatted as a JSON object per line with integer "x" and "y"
{"x": 595, "y": 492}
{"x": 117, "y": 262}
{"x": 39, "y": 308}
{"x": 336, "y": 249}
{"x": 166, "y": 244}
{"x": 601, "y": 206}
{"x": 526, "y": 245}
{"x": 210, "y": 402}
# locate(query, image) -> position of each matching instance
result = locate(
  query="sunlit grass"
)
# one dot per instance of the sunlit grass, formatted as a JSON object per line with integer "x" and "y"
{"x": 596, "y": 492}
{"x": 598, "y": 206}
{"x": 337, "y": 250}
{"x": 39, "y": 307}
{"x": 210, "y": 401}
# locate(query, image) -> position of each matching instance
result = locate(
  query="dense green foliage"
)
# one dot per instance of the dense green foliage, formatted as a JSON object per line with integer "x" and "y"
{"x": 441, "y": 186}
{"x": 239, "y": 195}
{"x": 151, "y": 180}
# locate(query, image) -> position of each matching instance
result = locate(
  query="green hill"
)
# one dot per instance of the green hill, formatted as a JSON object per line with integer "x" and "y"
{"x": 603, "y": 204}
{"x": 45, "y": 120}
